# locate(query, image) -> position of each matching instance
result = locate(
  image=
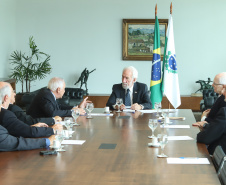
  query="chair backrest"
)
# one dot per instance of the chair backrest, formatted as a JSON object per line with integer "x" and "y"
{"x": 209, "y": 97}
{"x": 218, "y": 157}
{"x": 209, "y": 93}
{"x": 222, "y": 173}
{"x": 74, "y": 93}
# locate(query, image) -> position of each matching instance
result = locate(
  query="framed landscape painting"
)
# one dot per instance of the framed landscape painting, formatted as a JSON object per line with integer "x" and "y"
{"x": 138, "y": 38}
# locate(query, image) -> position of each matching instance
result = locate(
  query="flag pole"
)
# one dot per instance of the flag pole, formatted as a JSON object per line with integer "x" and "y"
{"x": 155, "y": 11}
{"x": 171, "y": 7}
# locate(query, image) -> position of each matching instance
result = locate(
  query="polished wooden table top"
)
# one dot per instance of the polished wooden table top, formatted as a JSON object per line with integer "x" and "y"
{"x": 131, "y": 162}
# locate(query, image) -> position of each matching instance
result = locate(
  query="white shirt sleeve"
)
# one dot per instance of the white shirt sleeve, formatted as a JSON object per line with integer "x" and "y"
{"x": 203, "y": 118}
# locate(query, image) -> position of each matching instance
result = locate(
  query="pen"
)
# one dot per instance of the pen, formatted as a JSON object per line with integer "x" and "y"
{"x": 188, "y": 157}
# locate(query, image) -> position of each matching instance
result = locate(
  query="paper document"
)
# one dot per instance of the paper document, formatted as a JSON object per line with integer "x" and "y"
{"x": 153, "y": 110}
{"x": 101, "y": 114}
{"x": 147, "y": 111}
{"x": 128, "y": 110}
{"x": 188, "y": 160}
{"x": 175, "y": 126}
{"x": 128, "y": 107}
{"x": 73, "y": 142}
{"x": 171, "y": 138}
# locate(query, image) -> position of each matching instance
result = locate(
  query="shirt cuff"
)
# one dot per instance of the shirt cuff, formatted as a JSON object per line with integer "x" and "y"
{"x": 142, "y": 107}
{"x": 113, "y": 106}
{"x": 47, "y": 142}
{"x": 203, "y": 118}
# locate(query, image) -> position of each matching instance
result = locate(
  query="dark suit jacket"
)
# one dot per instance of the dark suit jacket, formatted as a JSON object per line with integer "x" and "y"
{"x": 20, "y": 114}
{"x": 140, "y": 95}
{"x": 11, "y": 143}
{"x": 215, "y": 108}
{"x": 18, "y": 128}
{"x": 214, "y": 133}
{"x": 45, "y": 105}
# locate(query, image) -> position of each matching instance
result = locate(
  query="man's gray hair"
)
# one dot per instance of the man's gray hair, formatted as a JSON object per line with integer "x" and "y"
{"x": 222, "y": 78}
{"x": 133, "y": 69}
{"x": 55, "y": 82}
{"x": 5, "y": 90}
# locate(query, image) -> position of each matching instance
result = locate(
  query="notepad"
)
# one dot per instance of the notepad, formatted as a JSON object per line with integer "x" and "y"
{"x": 175, "y": 126}
{"x": 128, "y": 110}
{"x": 73, "y": 142}
{"x": 188, "y": 160}
{"x": 173, "y": 138}
{"x": 101, "y": 114}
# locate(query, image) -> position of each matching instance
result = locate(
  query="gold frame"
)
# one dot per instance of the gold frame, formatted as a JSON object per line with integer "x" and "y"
{"x": 125, "y": 23}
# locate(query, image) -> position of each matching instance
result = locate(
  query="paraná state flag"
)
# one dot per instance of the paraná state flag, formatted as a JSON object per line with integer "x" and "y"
{"x": 170, "y": 84}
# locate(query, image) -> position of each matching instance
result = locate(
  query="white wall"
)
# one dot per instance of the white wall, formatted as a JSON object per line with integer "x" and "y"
{"x": 88, "y": 33}
{"x": 7, "y": 35}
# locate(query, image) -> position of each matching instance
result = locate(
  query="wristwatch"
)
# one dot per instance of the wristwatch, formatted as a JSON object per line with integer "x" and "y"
{"x": 142, "y": 107}
{"x": 204, "y": 125}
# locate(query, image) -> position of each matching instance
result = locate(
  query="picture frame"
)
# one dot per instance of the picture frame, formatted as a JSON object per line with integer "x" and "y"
{"x": 138, "y": 38}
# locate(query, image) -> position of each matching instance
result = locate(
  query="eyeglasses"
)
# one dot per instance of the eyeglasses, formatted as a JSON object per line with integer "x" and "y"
{"x": 217, "y": 84}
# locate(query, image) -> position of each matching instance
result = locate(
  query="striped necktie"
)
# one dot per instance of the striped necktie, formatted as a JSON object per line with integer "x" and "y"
{"x": 127, "y": 98}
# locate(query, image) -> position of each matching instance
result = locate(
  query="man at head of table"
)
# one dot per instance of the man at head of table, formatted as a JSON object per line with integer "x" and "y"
{"x": 133, "y": 93}
{"x": 44, "y": 103}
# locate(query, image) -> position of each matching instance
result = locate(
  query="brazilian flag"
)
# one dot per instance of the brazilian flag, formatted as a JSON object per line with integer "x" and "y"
{"x": 155, "y": 86}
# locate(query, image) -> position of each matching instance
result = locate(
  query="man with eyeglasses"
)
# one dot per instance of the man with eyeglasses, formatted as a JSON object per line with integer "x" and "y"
{"x": 213, "y": 132}
{"x": 209, "y": 114}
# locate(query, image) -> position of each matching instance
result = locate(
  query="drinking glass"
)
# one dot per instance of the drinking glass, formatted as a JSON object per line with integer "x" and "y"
{"x": 163, "y": 140}
{"x": 59, "y": 137}
{"x": 165, "y": 115}
{"x": 75, "y": 115}
{"x": 153, "y": 123}
{"x": 89, "y": 107}
{"x": 157, "y": 107}
{"x": 119, "y": 102}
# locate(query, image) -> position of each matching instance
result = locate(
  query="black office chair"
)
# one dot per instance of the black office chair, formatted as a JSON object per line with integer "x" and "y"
{"x": 222, "y": 173}
{"x": 218, "y": 157}
{"x": 209, "y": 97}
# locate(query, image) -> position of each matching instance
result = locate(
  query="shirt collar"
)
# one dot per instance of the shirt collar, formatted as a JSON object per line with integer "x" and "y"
{"x": 53, "y": 95}
{"x": 131, "y": 89}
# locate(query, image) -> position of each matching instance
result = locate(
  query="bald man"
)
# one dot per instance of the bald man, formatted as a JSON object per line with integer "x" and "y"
{"x": 218, "y": 83}
{"x": 16, "y": 127}
{"x": 9, "y": 142}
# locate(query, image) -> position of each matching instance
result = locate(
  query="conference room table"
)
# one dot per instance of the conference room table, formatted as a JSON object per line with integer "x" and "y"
{"x": 115, "y": 152}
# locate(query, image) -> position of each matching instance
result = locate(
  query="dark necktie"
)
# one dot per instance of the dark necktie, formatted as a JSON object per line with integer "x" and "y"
{"x": 127, "y": 98}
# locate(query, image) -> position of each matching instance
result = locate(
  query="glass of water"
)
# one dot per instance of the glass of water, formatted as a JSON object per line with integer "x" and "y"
{"x": 89, "y": 107}
{"x": 157, "y": 107}
{"x": 75, "y": 115}
{"x": 119, "y": 102}
{"x": 153, "y": 123}
{"x": 163, "y": 140}
{"x": 59, "y": 138}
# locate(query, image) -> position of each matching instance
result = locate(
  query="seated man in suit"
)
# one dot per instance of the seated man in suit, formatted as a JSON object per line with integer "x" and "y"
{"x": 11, "y": 143}
{"x": 218, "y": 82}
{"x": 213, "y": 133}
{"x": 133, "y": 93}
{"x": 44, "y": 103}
{"x": 16, "y": 127}
{"x": 21, "y": 115}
